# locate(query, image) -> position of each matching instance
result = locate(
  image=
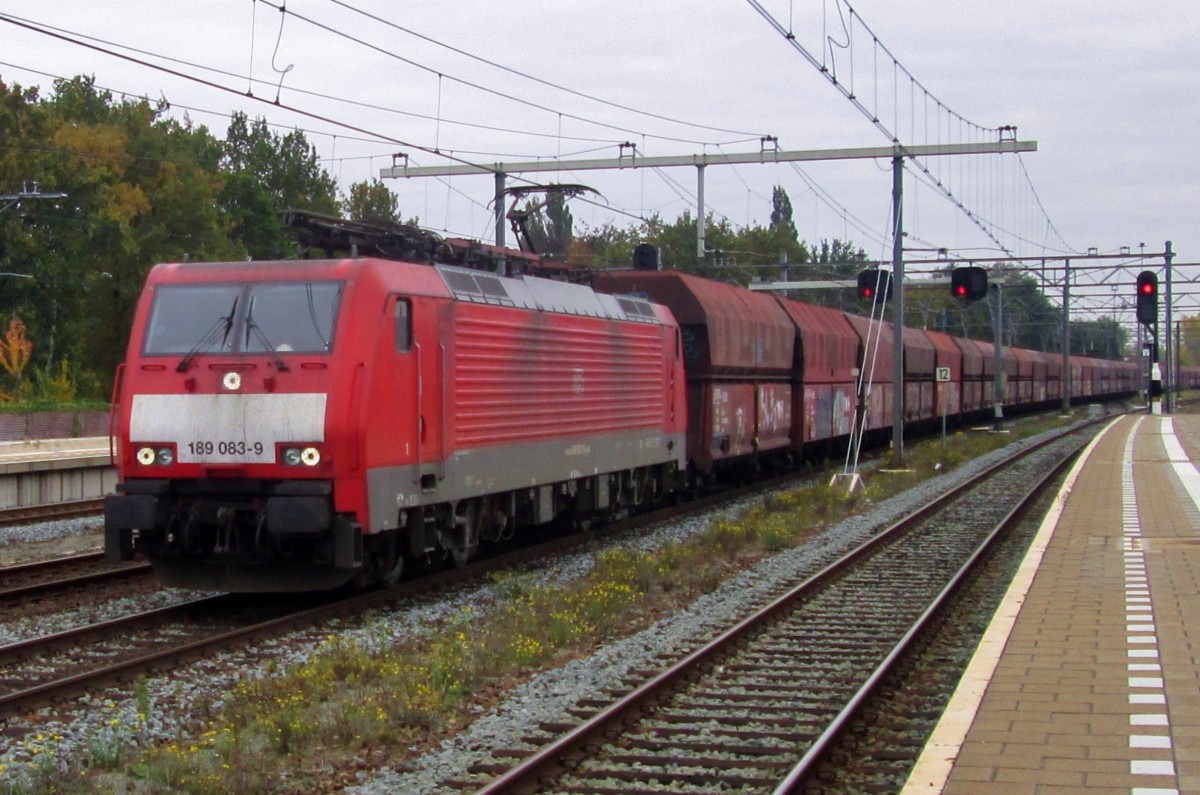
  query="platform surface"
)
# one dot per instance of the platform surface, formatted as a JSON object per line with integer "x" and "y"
{"x": 1088, "y": 680}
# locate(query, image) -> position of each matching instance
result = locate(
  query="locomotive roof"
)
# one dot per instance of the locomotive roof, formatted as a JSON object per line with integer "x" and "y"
{"x": 462, "y": 284}
{"x": 546, "y": 295}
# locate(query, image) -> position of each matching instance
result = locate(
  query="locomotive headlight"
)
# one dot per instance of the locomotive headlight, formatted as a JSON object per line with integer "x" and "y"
{"x": 149, "y": 456}
{"x": 295, "y": 456}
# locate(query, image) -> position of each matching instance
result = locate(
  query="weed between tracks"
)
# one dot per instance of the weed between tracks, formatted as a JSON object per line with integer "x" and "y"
{"x": 364, "y": 705}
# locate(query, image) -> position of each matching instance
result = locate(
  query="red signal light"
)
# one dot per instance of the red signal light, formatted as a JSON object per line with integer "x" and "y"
{"x": 1147, "y": 298}
{"x": 872, "y": 283}
{"x": 969, "y": 283}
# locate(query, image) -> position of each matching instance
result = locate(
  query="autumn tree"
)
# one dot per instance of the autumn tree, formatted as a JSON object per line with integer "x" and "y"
{"x": 140, "y": 188}
{"x": 16, "y": 349}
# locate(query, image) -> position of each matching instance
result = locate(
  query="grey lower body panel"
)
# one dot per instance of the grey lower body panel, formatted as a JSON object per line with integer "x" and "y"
{"x": 504, "y": 468}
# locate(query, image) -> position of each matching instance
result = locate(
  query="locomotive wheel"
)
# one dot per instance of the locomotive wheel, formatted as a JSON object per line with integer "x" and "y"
{"x": 462, "y": 539}
{"x": 390, "y": 578}
{"x": 387, "y": 561}
{"x": 461, "y": 556}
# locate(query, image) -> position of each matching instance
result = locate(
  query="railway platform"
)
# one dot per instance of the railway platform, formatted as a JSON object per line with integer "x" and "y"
{"x": 48, "y": 471}
{"x": 1088, "y": 679}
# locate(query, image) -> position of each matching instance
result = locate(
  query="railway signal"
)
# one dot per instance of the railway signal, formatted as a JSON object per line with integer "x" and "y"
{"x": 874, "y": 281}
{"x": 1147, "y": 298}
{"x": 645, "y": 258}
{"x": 969, "y": 284}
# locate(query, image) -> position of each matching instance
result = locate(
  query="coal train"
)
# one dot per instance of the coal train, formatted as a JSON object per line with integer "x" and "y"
{"x": 300, "y": 425}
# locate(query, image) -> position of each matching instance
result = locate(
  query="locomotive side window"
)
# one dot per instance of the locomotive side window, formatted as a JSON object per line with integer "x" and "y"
{"x": 248, "y": 317}
{"x": 403, "y": 325}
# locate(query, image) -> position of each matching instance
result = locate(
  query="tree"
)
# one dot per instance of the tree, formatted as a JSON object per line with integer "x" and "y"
{"x": 549, "y": 224}
{"x": 266, "y": 174}
{"x": 838, "y": 257}
{"x": 559, "y": 223}
{"x": 834, "y": 259}
{"x": 15, "y": 349}
{"x": 782, "y": 226}
{"x": 606, "y": 246}
{"x": 372, "y": 202}
{"x": 1104, "y": 338}
{"x": 140, "y": 188}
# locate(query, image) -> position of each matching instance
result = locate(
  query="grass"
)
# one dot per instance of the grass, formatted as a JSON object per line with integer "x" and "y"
{"x": 355, "y": 705}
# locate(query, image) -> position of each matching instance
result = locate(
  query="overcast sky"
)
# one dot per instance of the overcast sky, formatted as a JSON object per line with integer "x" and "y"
{"x": 1107, "y": 88}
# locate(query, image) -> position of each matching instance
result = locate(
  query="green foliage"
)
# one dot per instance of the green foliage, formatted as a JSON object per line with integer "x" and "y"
{"x": 1030, "y": 319}
{"x": 731, "y": 253}
{"x": 781, "y": 216}
{"x": 372, "y": 202}
{"x": 141, "y": 188}
{"x": 549, "y": 224}
{"x": 268, "y": 173}
{"x": 45, "y": 392}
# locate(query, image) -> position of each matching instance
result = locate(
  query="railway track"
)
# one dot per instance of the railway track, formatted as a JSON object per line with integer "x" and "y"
{"x": 40, "y": 577}
{"x": 28, "y": 514}
{"x": 58, "y": 667}
{"x": 757, "y": 708}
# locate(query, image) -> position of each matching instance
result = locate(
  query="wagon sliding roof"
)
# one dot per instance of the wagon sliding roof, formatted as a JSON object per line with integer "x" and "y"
{"x": 529, "y": 292}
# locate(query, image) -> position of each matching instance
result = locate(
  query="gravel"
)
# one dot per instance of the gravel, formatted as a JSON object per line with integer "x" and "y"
{"x": 53, "y": 737}
{"x": 45, "y": 531}
{"x": 548, "y": 696}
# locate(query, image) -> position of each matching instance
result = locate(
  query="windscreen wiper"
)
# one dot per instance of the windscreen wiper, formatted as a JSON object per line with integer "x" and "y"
{"x": 222, "y": 326}
{"x": 312, "y": 314}
{"x": 254, "y": 328}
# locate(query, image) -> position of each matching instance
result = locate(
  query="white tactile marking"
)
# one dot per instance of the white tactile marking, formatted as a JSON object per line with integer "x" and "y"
{"x": 1148, "y": 720}
{"x": 1146, "y": 681}
{"x": 1152, "y": 767}
{"x": 1140, "y": 614}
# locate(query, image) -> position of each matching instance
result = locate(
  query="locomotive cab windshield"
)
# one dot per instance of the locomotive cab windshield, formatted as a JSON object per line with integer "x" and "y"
{"x": 227, "y": 473}
{"x": 242, "y": 318}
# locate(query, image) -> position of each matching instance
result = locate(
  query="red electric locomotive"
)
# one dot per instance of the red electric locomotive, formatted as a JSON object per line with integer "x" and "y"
{"x": 299, "y": 425}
